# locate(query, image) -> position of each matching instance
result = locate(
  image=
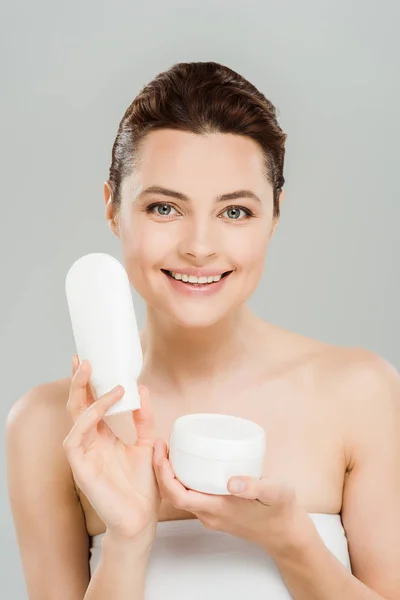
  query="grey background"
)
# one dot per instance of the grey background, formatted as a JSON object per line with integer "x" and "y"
{"x": 68, "y": 72}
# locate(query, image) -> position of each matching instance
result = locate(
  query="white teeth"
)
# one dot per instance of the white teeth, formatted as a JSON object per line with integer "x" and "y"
{"x": 194, "y": 279}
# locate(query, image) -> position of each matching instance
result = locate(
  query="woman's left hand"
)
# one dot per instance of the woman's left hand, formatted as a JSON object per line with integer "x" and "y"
{"x": 262, "y": 511}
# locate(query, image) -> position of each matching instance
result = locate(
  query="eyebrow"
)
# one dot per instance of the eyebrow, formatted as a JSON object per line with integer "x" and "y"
{"x": 155, "y": 189}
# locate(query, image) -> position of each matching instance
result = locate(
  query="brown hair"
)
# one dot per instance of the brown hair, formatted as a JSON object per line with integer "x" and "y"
{"x": 202, "y": 98}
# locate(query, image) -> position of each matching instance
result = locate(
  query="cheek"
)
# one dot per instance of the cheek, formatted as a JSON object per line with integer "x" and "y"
{"x": 144, "y": 252}
{"x": 137, "y": 249}
{"x": 250, "y": 254}
{"x": 148, "y": 243}
{"x": 137, "y": 252}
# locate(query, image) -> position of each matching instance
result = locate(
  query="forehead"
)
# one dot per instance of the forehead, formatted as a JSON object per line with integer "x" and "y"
{"x": 200, "y": 164}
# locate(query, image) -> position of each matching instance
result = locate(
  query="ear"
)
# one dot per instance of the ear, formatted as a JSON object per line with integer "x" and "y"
{"x": 111, "y": 211}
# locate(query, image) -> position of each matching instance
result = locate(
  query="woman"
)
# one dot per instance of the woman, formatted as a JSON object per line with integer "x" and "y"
{"x": 194, "y": 192}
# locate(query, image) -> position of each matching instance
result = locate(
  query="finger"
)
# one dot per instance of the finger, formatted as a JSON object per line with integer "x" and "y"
{"x": 160, "y": 452}
{"x": 89, "y": 394}
{"x": 78, "y": 400}
{"x": 75, "y": 364}
{"x": 144, "y": 419}
{"x": 171, "y": 488}
{"x": 85, "y": 429}
{"x": 265, "y": 491}
{"x": 174, "y": 491}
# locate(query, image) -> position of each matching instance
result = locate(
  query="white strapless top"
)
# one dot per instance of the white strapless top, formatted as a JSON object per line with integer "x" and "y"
{"x": 189, "y": 561}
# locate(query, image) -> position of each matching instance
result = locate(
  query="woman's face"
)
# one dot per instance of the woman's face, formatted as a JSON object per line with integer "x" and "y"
{"x": 184, "y": 227}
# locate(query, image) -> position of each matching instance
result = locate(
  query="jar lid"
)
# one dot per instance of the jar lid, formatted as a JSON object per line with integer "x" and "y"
{"x": 224, "y": 437}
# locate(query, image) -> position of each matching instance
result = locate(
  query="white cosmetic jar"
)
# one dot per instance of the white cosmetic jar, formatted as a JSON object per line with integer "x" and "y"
{"x": 207, "y": 449}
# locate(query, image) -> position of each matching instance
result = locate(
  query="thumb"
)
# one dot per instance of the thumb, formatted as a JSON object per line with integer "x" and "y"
{"x": 264, "y": 490}
{"x": 244, "y": 487}
{"x": 144, "y": 419}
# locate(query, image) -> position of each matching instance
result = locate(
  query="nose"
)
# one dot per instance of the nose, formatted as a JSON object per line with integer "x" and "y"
{"x": 198, "y": 241}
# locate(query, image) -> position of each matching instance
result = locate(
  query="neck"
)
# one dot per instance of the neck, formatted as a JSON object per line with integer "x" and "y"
{"x": 177, "y": 357}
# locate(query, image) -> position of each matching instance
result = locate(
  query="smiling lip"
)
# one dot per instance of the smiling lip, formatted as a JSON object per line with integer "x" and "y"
{"x": 197, "y": 290}
{"x": 197, "y": 272}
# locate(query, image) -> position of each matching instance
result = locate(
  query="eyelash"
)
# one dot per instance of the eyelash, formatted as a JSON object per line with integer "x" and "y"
{"x": 247, "y": 211}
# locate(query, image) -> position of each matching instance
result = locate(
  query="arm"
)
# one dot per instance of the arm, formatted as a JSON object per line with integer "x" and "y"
{"x": 48, "y": 518}
{"x": 371, "y": 502}
{"x": 121, "y": 572}
{"x": 119, "y": 482}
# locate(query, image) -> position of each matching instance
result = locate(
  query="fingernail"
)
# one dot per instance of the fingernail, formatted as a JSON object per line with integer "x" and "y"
{"x": 236, "y": 486}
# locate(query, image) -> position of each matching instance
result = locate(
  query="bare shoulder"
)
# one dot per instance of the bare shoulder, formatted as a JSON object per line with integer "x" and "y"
{"x": 363, "y": 389}
{"x": 39, "y": 421}
{"x": 360, "y": 374}
{"x": 44, "y": 405}
{"x": 351, "y": 378}
{"x": 350, "y": 369}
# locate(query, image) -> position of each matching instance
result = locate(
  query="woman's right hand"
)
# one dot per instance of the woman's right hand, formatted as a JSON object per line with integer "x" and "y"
{"x": 117, "y": 479}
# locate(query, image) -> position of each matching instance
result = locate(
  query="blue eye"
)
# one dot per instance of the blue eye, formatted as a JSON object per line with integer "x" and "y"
{"x": 165, "y": 209}
{"x": 161, "y": 209}
{"x": 234, "y": 213}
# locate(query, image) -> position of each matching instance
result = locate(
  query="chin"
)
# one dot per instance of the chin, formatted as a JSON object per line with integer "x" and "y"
{"x": 196, "y": 322}
{"x": 195, "y": 317}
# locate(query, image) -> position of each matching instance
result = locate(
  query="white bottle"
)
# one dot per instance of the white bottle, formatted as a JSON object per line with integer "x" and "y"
{"x": 104, "y": 326}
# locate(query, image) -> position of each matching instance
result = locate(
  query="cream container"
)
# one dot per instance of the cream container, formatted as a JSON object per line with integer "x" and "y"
{"x": 207, "y": 449}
